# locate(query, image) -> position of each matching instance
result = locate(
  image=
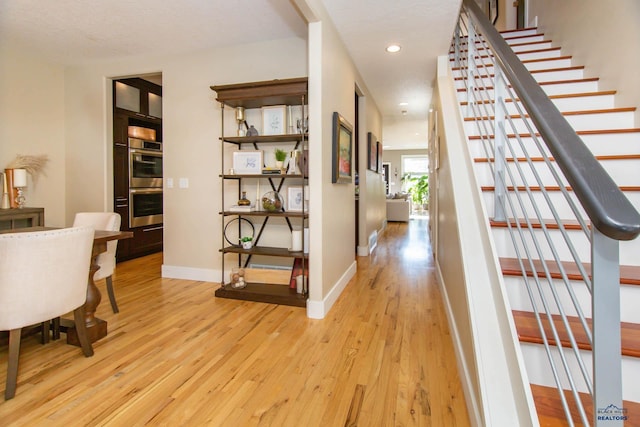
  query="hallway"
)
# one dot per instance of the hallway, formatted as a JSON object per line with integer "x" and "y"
{"x": 175, "y": 355}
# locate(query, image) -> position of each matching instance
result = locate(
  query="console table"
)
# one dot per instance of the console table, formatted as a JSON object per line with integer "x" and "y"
{"x": 11, "y": 219}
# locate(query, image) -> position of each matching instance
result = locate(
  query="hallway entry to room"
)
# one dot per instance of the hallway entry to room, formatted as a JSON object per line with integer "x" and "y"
{"x": 177, "y": 355}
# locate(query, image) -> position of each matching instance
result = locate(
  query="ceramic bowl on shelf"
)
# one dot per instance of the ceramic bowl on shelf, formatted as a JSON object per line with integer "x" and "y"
{"x": 272, "y": 202}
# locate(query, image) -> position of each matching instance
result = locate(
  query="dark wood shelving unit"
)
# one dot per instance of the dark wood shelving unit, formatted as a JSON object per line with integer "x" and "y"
{"x": 255, "y": 95}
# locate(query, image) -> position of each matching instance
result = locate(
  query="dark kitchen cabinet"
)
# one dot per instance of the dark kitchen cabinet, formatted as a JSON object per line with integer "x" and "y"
{"x": 141, "y": 108}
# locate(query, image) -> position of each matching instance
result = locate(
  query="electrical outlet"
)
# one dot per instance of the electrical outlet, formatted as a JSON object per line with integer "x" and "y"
{"x": 169, "y": 182}
{"x": 184, "y": 183}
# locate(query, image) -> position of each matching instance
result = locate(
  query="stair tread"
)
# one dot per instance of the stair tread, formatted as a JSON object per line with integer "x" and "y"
{"x": 553, "y": 188}
{"x": 550, "y": 413}
{"x": 535, "y": 223}
{"x": 524, "y": 61}
{"x": 580, "y": 132}
{"x": 629, "y": 274}
{"x": 541, "y": 159}
{"x": 528, "y": 331}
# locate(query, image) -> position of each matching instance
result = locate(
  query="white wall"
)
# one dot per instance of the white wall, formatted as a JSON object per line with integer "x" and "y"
{"x": 603, "y": 36}
{"x": 191, "y": 128}
{"x": 333, "y": 79}
{"x": 32, "y": 123}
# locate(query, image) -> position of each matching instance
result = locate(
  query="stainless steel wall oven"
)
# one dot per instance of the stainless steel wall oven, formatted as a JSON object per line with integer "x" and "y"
{"x": 145, "y": 182}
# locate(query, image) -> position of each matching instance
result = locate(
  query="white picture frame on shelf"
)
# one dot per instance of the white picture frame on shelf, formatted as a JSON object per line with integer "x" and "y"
{"x": 247, "y": 162}
{"x": 274, "y": 120}
{"x": 295, "y": 202}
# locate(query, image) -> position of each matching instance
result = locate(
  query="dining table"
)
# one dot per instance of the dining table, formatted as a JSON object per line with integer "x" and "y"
{"x": 96, "y": 327}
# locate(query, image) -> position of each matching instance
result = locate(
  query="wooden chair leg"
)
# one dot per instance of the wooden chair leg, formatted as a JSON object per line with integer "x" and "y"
{"x": 112, "y": 295}
{"x": 12, "y": 367}
{"x": 81, "y": 329}
{"x": 44, "y": 330}
{"x": 55, "y": 324}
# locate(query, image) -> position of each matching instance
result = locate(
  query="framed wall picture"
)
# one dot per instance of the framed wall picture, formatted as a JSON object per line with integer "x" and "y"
{"x": 372, "y": 153}
{"x": 247, "y": 162}
{"x": 342, "y": 172}
{"x": 295, "y": 202}
{"x": 379, "y": 156}
{"x": 274, "y": 119}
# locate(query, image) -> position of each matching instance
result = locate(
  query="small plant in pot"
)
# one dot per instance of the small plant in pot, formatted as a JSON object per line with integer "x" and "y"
{"x": 247, "y": 242}
{"x": 281, "y": 156}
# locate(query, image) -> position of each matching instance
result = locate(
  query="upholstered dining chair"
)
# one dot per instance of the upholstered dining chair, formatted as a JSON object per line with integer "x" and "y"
{"x": 43, "y": 275}
{"x": 109, "y": 221}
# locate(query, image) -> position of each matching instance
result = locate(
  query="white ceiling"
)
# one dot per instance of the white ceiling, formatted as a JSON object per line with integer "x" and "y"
{"x": 75, "y": 31}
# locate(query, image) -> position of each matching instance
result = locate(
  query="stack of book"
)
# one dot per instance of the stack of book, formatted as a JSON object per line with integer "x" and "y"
{"x": 238, "y": 208}
{"x": 271, "y": 171}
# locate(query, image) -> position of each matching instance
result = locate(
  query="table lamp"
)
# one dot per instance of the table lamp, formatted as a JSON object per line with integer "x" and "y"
{"x": 20, "y": 182}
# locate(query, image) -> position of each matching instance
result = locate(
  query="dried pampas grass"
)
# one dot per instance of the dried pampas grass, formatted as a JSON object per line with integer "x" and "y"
{"x": 33, "y": 164}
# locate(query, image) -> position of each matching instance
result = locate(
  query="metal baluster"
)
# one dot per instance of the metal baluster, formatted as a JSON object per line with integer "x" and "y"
{"x": 499, "y": 87}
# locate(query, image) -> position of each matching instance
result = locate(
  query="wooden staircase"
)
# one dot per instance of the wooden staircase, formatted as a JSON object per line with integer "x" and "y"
{"x": 610, "y": 133}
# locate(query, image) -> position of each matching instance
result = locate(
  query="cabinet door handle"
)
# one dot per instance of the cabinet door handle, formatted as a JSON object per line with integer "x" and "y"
{"x": 122, "y": 206}
{"x": 152, "y": 229}
{"x": 120, "y": 144}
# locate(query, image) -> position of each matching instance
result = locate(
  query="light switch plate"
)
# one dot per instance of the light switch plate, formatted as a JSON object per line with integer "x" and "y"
{"x": 184, "y": 183}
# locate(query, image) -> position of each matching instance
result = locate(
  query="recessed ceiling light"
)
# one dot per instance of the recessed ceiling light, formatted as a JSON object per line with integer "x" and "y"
{"x": 393, "y": 48}
{"x": 403, "y": 104}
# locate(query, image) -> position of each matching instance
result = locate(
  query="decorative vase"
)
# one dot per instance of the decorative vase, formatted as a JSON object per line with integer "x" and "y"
{"x": 280, "y": 164}
{"x": 247, "y": 245}
{"x": 243, "y": 200}
{"x": 272, "y": 202}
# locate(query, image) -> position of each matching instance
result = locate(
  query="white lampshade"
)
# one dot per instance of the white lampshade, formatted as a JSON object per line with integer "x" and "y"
{"x": 19, "y": 178}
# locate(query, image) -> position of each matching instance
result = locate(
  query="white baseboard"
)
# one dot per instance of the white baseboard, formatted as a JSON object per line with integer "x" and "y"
{"x": 319, "y": 309}
{"x": 190, "y": 273}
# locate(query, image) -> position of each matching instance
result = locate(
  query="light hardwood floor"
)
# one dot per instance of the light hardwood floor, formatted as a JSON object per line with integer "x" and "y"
{"x": 176, "y": 355}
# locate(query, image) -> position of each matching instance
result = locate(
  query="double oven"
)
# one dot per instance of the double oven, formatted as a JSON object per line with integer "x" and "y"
{"x": 145, "y": 182}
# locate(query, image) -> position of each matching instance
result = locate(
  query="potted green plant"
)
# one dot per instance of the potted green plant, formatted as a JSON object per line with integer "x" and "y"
{"x": 247, "y": 242}
{"x": 281, "y": 155}
{"x": 420, "y": 190}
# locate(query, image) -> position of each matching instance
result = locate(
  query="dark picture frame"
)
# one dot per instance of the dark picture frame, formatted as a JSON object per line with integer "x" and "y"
{"x": 342, "y": 153}
{"x": 379, "y": 156}
{"x": 372, "y": 152}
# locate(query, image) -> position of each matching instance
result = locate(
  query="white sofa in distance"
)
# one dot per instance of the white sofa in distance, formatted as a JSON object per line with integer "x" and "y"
{"x": 398, "y": 210}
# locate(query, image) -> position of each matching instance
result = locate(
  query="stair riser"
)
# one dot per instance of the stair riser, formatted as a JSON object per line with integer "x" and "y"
{"x": 601, "y": 144}
{"x": 537, "y": 369}
{"x": 546, "y": 76}
{"x": 555, "y": 89}
{"x": 592, "y": 102}
{"x": 530, "y": 36}
{"x": 579, "y": 122}
{"x": 557, "y": 200}
{"x": 629, "y": 250}
{"x": 524, "y": 54}
{"x": 531, "y": 66}
{"x": 519, "y": 297}
{"x": 523, "y": 47}
{"x": 623, "y": 172}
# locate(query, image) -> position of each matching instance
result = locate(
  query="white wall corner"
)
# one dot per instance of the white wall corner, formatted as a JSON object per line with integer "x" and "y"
{"x": 319, "y": 309}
